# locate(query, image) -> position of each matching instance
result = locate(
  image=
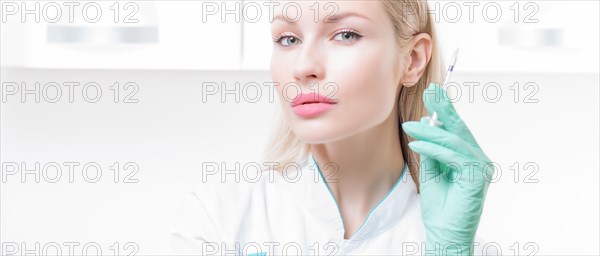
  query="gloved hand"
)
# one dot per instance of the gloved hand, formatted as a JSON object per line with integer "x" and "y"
{"x": 454, "y": 177}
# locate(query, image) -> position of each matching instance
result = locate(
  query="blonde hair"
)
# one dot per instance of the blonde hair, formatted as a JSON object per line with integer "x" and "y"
{"x": 410, "y": 17}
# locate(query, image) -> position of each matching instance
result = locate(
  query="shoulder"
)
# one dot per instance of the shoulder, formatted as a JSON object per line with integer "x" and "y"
{"x": 232, "y": 199}
{"x": 216, "y": 211}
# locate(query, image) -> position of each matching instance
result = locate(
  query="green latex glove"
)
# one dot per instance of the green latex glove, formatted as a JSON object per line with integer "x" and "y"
{"x": 454, "y": 177}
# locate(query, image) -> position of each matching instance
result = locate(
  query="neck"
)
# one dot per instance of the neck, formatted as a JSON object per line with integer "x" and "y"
{"x": 363, "y": 168}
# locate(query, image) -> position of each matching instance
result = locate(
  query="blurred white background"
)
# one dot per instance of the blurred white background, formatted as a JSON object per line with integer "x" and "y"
{"x": 543, "y": 130}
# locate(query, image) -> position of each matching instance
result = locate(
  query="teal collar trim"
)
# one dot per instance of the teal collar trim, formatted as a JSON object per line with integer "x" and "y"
{"x": 358, "y": 231}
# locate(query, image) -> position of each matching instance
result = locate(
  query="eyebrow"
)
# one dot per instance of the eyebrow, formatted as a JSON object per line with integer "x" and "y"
{"x": 330, "y": 18}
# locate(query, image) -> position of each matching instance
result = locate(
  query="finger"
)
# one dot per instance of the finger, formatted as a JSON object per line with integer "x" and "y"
{"x": 428, "y": 172}
{"x": 436, "y": 100}
{"x": 424, "y": 132}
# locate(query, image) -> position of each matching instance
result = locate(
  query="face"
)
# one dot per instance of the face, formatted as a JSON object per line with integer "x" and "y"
{"x": 350, "y": 55}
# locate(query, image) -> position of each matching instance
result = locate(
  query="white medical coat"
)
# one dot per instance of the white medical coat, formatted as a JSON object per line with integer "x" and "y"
{"x": 294, "y": 213}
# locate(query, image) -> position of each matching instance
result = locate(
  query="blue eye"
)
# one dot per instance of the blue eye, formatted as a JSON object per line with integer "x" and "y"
{"x": 287, "y": 40}
{"x": 290, "y": 40}
{"x": 347, "y": 36}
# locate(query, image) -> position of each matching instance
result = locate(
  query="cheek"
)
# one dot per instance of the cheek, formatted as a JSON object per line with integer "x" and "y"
{"x": 281, "y": 71}
{"x": 278, "y": 70}
{"x": 367, "y": 81}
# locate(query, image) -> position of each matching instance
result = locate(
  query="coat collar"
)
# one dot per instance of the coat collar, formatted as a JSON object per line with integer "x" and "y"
{"x": 320, "y": 203}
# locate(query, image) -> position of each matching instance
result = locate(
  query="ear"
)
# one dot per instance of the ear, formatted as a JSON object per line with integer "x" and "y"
{"x": 417, "y": 59}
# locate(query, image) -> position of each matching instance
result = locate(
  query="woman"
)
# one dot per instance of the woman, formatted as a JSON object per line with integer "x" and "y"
{"x": 352, "y": 87}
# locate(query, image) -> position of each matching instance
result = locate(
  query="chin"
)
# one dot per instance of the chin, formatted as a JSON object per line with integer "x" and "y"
{"x": 315, "y": 135}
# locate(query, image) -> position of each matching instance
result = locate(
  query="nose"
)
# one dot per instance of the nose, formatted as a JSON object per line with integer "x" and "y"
{"x": 309, "y": 65}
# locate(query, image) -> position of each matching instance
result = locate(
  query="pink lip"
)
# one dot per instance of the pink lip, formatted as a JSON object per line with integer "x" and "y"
{"x": 305, "y": 98}
{"x": 311, "y": 104}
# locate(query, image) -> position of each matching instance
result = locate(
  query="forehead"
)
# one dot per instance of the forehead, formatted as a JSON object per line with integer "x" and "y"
{"x": 314, "y": 11}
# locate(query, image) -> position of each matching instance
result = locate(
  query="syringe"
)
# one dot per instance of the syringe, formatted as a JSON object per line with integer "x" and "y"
{"x": 450, "y": 68}
{"x": 433, "y": 121}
